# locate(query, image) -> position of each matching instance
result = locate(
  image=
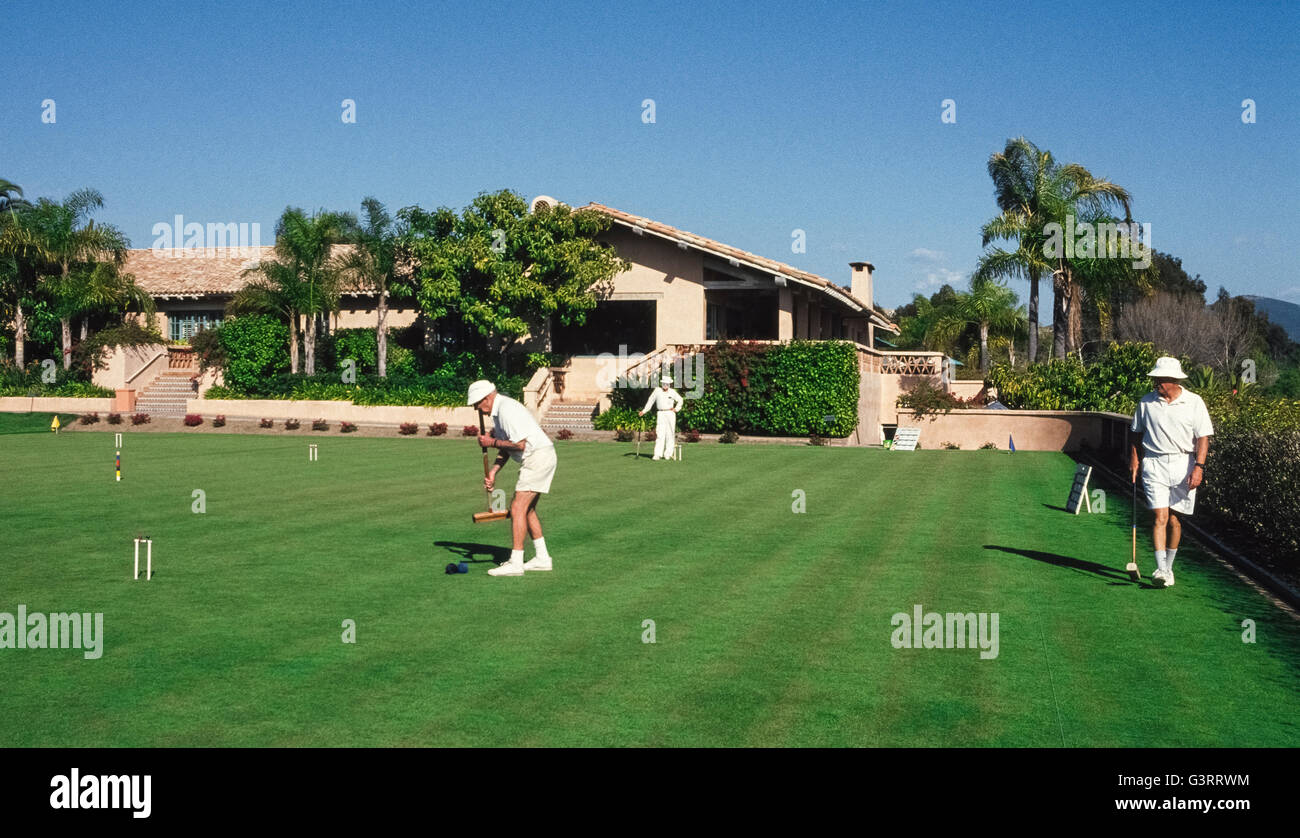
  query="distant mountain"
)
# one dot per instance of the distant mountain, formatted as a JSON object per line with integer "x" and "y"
{"x": 1284, "y": 314}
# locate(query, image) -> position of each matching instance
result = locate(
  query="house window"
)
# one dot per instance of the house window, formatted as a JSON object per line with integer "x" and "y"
{"x": 185, "y": 326}
{"x": 740, "y": 315}
{"x": 613, "y": 323}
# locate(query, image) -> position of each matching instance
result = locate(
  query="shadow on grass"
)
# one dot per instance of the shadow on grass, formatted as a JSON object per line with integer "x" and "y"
{"x": 1104, "y": 571}
{"x": 468, "y": 550}
{"x": 1056, "y": 508}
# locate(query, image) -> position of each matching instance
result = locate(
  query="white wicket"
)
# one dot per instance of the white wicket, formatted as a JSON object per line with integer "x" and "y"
{"x": 148, "y": 542}
{"x": 118, "y": 441}
{"x": 312, "y": 453}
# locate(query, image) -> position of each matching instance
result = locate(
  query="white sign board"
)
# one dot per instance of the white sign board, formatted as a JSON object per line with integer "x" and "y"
{"x": 905, "y": 439}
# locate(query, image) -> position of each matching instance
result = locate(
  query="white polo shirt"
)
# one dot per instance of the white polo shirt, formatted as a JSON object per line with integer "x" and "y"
{"x": 662, "y": 399}
{"x": 1171, "y": 427}
{"x": 512, "y": 421}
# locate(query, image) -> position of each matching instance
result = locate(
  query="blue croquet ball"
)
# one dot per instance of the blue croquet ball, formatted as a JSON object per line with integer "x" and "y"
{"x": 463, "y": 567}
{"x": 452, "y": 568}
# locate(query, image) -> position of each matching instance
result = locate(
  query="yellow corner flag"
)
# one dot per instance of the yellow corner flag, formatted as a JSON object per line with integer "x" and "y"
{"x": 54, "y": 426}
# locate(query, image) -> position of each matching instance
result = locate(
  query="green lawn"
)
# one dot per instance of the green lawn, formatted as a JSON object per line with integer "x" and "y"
{"x": 772, "y": 628}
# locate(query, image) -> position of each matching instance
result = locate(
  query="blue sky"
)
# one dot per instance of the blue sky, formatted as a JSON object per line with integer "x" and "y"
{"x": 768, "y": 118}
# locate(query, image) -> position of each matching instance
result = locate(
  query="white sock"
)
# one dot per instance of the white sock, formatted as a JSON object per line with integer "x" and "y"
{"x": 516, "y": 556}
{"x": 539, "y": 544}
{"x": 1160, "y": 560}
{"x": 1169, "y": 559}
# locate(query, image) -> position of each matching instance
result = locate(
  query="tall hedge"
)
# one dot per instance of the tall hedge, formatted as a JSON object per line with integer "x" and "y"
{"x": 1114, "y": 383}
{"x": 768, "y": 389}
{"x": 256, "y": 348}
{"x": 1252, "y": 476}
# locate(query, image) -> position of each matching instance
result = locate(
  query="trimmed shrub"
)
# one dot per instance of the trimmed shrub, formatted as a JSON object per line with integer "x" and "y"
{"x": 729, "y": 437}
{"x": 256, "y": 347}
{"x": 775, "y": 389}
{"x": 989, "y": 446}
{"x": 950, "y": 446}
{"x": 469, "y": 430}
{"x": 114, "y": 418}
{"x": 438, "y": 429}
{"x": 193, "y": 419}
{"x": 650, "y": 436}
{"x": 817, "y": 440}
{"x": 564, "y": 433}
{"x": 266, "y": 423}
{"x": 408, "y": 428}
{"x": 615, "y": 418}
{"x": 140, "y": 419}
{"x": 89, "y": 418}
{"x": 624, "y": 434}
{"x": 691, "y": 436}
{"x": 292, "y": 424}
{"x": 347, "y": 427}
{"x": 1114, "y": 383}
{"x": 220, "y": 392}
{"x": 320, "y": 425}
{"x": 219, "y": 422}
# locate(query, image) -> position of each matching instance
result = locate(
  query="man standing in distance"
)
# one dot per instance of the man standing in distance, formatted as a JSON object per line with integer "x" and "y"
{"x": 516, "y": 434}
{"x": 667, "y": 402}
{"x": 1175, "y": 432}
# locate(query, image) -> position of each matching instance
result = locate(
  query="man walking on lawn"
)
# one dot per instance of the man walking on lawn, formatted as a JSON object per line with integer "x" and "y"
{"x": 516, "y": 434}
{"x": 1175, "y": 432}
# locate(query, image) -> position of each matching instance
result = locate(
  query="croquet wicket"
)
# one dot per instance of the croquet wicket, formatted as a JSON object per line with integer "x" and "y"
{"x": 117, "y": 440}
{"x": 148, "y": 573}
{"x": 117, "y": 465}
{"x": 312, "y": 453}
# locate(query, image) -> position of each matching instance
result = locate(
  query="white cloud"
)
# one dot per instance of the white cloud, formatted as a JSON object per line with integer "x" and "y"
{"x": 926, "y": 256}
{"x": 935, "y": 279}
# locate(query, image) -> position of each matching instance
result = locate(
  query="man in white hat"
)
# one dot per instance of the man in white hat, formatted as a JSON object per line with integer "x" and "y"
{"x": 516, "y": 434}
{"x": 1176, "y": 431}
{"x": 667, "y": 402}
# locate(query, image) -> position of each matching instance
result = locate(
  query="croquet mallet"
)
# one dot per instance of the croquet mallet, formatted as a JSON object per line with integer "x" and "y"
{"x": 1132, "y": 566}
{"x": 490, "y": 515}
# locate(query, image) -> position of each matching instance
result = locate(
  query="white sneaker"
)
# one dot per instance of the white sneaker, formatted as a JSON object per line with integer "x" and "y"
{"x": 1169, "y": 578}
{"x": 507, "y": 569}
{"x": 1158, "y": 576}
{"x": 538, "y": 563}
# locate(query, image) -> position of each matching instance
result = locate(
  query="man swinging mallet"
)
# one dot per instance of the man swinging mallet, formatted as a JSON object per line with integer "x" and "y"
{"x": 667, "y": 402}
{"x": 516, "y": 434}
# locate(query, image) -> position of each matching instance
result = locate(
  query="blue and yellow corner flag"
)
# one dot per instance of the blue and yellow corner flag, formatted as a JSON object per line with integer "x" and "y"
{"x": 1011, "y": 443}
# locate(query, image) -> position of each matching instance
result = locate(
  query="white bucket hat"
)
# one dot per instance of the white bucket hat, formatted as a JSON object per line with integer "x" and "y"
{"x": 665, "y": 379}
{"x": 1167, "y": 367}
{"x": 480, "y": 390}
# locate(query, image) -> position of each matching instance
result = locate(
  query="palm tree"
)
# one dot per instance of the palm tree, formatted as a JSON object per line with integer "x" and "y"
{"x": 277, "y": 290}
{"x": 71, "y": 239}
{"x": 22, "y": 252}
{"x": 991, "y": 305}
{"x": 372, "y": 266}
{"x": 11, "y": 196}
{"x": 304, "y": 280}
{"x": 102, "y": 287}
{"x": 1033, "y": 191}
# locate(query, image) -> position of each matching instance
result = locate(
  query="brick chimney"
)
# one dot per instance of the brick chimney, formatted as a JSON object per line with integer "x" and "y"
{"x": 860, "y": 286}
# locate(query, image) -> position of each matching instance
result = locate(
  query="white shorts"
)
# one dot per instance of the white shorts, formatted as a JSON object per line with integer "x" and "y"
{"x": 537, "y": 470}
{"x": 1164, "y": 479}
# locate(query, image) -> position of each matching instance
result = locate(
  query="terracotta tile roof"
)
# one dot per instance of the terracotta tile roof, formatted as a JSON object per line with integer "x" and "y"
{"x": 173, "y": 273}
{"x": 729, "y": 252}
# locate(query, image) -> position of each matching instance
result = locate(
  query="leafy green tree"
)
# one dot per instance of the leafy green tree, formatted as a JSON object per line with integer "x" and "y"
{"x": 22, "y": 253}
{"x": 506, "y": 272}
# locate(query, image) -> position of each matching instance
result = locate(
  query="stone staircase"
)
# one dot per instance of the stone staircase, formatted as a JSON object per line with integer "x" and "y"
{"x": 167, "y": 395}
{"x": 576, "y": 416}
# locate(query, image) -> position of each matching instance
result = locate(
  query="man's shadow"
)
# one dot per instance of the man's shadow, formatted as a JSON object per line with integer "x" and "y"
{"x": 1104, "y": 571}
{"x": 467, "y": 551}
